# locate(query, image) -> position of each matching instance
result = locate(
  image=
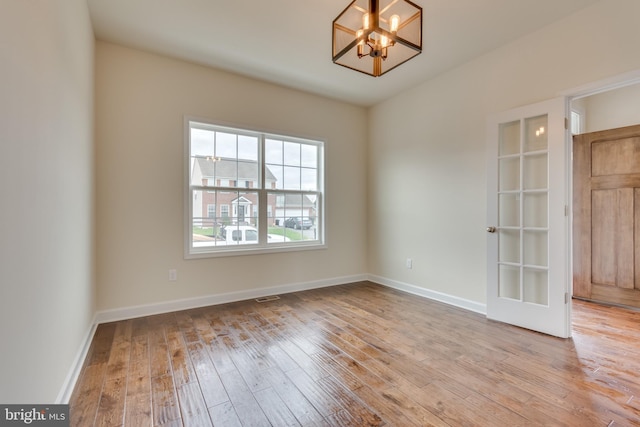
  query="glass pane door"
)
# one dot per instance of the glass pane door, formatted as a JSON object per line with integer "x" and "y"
{"x": 528, "y": 274}
{"x": 523, "y": 200}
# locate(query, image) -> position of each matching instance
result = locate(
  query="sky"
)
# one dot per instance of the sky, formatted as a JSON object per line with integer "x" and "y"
{"x": 292, "y": 163}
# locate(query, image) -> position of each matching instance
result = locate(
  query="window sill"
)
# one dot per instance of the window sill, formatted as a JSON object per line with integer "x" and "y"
{"x": 191, "y": 253}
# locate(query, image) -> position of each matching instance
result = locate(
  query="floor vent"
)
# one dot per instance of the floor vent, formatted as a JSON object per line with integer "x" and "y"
{"x": 267, "y": 299}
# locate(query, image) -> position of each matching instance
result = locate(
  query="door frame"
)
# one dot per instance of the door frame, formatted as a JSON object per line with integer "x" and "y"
{"x": 605, "y": 85}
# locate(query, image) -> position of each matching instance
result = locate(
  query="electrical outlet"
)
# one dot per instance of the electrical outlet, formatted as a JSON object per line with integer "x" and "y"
{"x": 409, "y": 263}
{"x": 173, "y": 275}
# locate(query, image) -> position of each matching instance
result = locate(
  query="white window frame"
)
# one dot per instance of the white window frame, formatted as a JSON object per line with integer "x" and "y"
{"x": 264, "y": 214}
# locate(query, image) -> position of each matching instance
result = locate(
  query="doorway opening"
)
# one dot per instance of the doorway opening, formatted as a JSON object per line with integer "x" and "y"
{"x": 606, "y": 194}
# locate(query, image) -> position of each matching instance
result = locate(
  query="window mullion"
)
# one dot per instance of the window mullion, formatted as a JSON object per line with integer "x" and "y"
{"x": 263, "y": 221}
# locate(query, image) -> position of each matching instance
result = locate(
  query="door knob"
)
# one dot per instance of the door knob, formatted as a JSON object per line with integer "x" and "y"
{"x": 491, "y": 229}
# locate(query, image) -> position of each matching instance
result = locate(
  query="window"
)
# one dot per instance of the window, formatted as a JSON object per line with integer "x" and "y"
{"x": 268, "y": 189}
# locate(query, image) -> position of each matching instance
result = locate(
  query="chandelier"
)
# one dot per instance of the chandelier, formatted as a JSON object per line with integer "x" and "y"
{"x": 375, "y": 36}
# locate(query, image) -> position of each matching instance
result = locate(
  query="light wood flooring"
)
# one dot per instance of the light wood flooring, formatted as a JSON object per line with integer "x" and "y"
{"x": 358, "y": 355}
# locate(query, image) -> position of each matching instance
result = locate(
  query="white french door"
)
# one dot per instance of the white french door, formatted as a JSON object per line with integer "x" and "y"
{"x": 527, "y": 214}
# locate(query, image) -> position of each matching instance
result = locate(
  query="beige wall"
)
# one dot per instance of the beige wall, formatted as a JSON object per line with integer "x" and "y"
{"x": 420, "y": 157}
{"x": 427, "y": 154}
{"x": 612, "y": 109}
{"x": 141, "y": 101}
{"x": 46, "y": 186}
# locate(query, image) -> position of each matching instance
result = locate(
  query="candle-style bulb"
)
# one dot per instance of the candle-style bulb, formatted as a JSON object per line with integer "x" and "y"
{"x": 394, "y": 23}
{"x": 360, "y": 43}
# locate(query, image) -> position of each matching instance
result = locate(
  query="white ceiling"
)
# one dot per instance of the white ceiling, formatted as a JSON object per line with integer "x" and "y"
{"x": 288, "y": 42}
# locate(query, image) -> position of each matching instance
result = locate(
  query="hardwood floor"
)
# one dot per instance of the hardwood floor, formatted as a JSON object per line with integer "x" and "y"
{"x": 358, "y": 355}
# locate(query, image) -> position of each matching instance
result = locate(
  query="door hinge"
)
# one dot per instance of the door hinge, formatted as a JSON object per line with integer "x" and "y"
{"x": 566, "y": 210}
{"x": 566, "y": 123}
{"x": 566, "y": 297}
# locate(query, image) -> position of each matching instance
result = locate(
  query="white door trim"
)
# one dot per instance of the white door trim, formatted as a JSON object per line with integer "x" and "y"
{"x": 604, "y": 85}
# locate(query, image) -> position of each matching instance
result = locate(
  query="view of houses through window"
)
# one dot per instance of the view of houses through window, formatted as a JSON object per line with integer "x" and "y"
{"x": 250, "y": 188}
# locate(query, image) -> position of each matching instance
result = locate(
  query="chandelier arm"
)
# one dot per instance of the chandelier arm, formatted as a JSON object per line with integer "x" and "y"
{"x": 417, "y": 15}
{"x": 346, "y": 49}
{"x": 345, "y": 29}
{"x": 389, "y": 6}
{"x": 408, "y": 44}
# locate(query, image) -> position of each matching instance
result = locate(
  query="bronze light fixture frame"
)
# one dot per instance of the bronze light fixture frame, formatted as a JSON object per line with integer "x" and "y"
{"x": 366, "y": 38}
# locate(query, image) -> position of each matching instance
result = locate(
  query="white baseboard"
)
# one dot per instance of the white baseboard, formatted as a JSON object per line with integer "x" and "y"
{"x": 427, "y": 293}
{"x": 74, "y": 373}
{"x": 188, "y": 303}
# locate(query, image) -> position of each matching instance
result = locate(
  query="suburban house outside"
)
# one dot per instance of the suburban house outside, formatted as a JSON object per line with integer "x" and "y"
{"x": 294, "y": 205}
{"x": 240, "y": 207}
{"x": 214, "y": 208}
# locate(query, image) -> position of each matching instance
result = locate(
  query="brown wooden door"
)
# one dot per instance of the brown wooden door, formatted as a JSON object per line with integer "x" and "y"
{"x": 606, "y": 216}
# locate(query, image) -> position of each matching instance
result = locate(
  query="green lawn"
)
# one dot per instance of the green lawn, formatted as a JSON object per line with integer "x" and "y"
{"x": 287, "y": 232}
{"x": 205, "y": 231}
